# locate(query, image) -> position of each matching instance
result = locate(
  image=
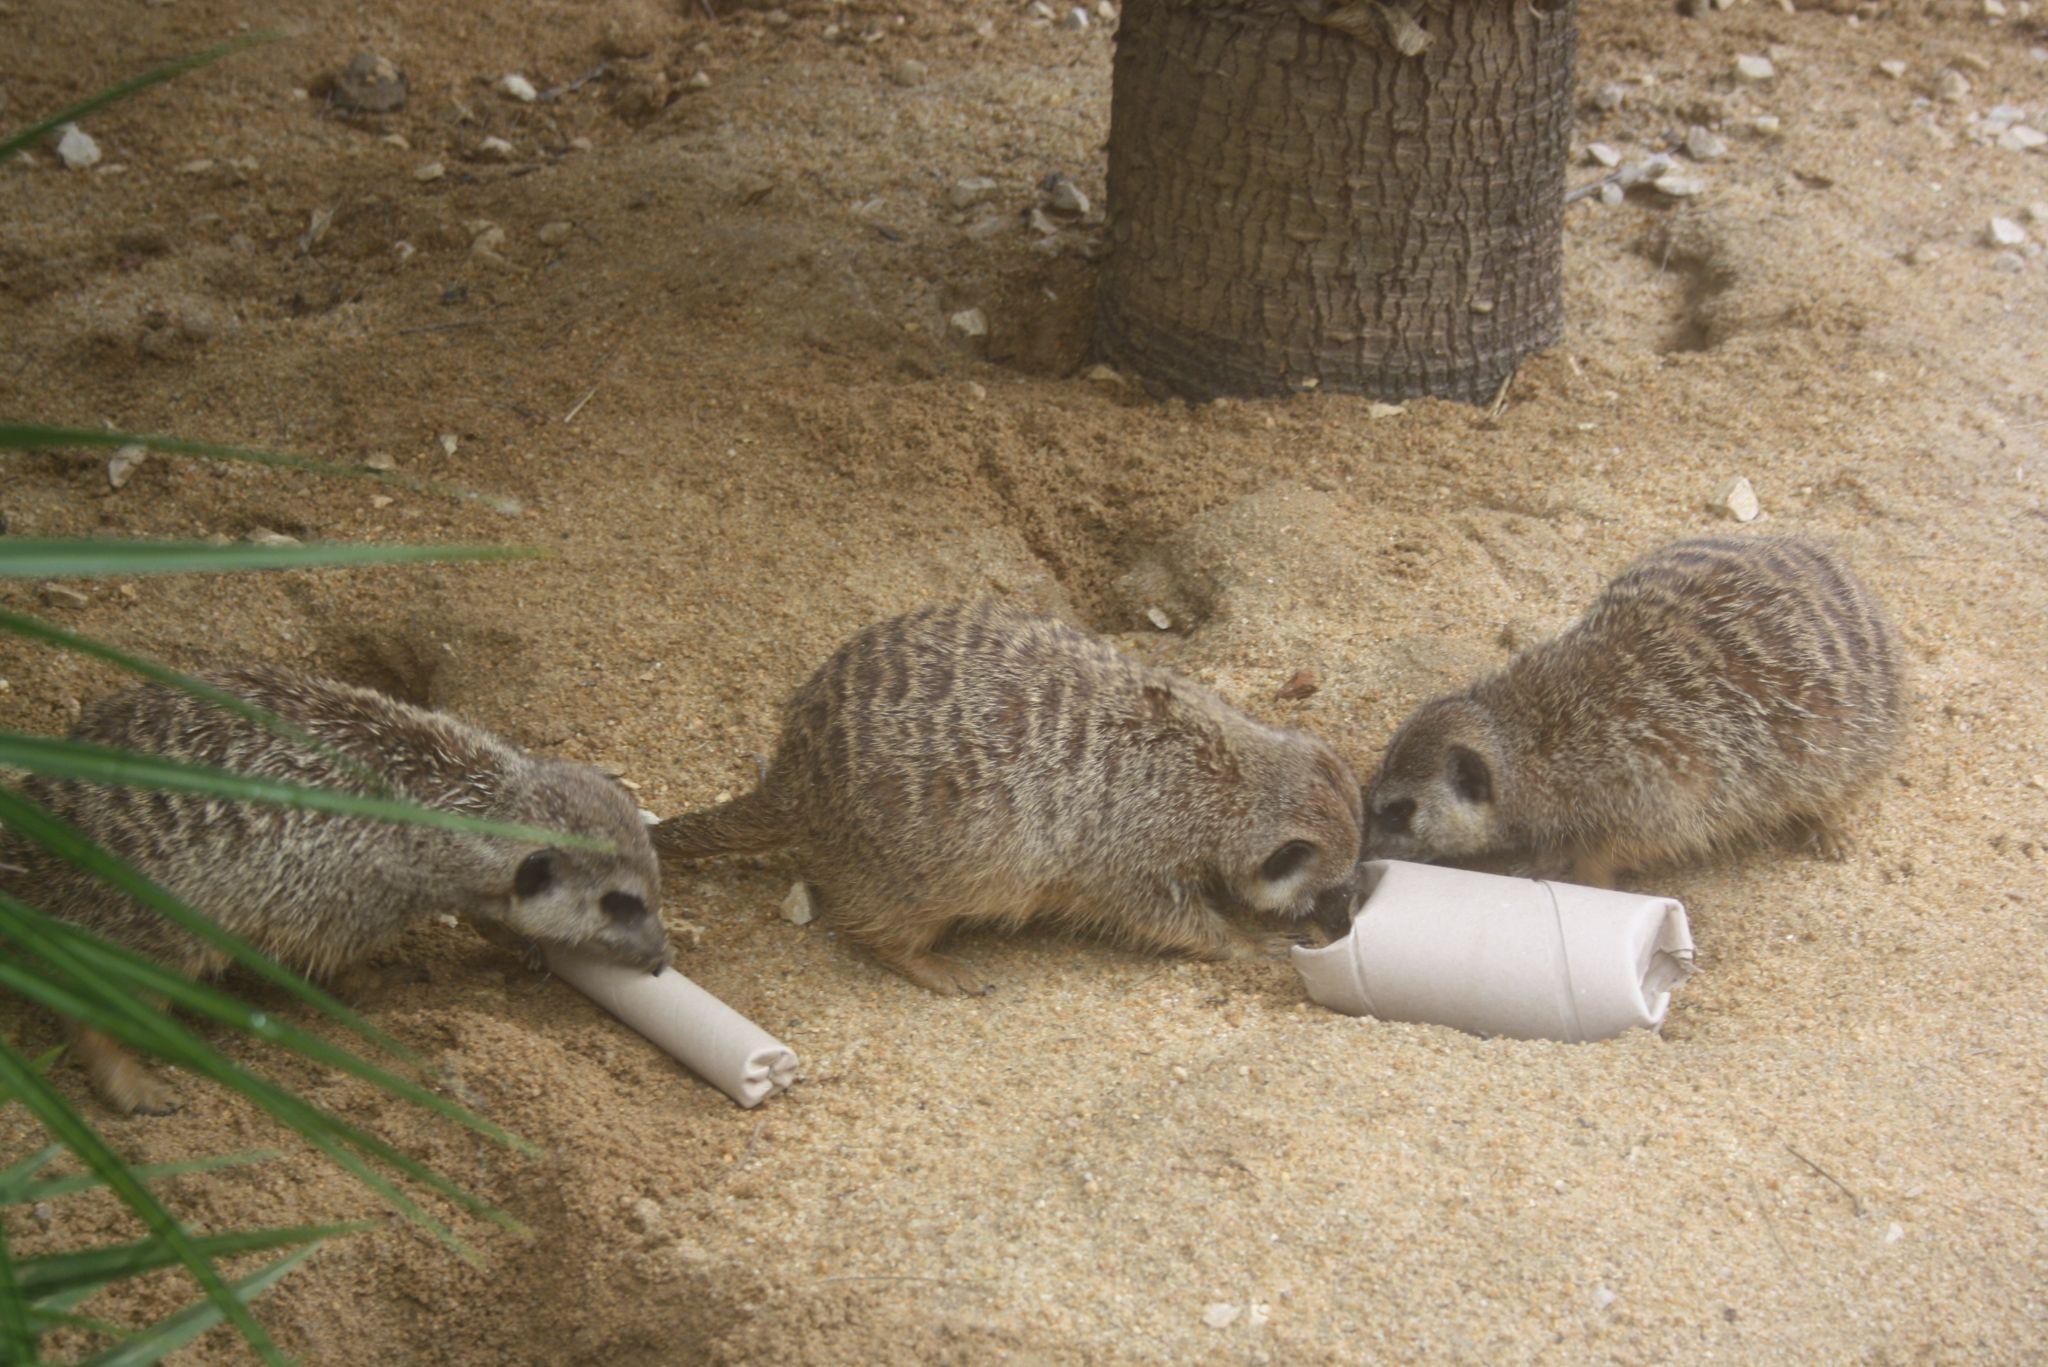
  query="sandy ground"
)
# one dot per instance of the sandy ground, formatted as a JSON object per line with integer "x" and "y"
{"x": 1838, "y": 1149}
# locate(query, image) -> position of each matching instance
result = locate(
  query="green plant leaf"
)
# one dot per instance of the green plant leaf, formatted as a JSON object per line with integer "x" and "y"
{"x": 70, "y": 1129}
{"x": 90, "y": 557}
{"x": 64, "y": 981}
{"x": 56, "y": 1272}
{"x": 66, "y": 1186}
{"x": 83, "y": 762}
{"x": 15, "y": 1178}
{"x": 17, "y": 1341}
{"x": 37, "y": 436}
{"x": 169, "y": 1335}
{"x": 32, "y": 822}
{"x": 113, "y": 94}
{"x": 104, "y": 961}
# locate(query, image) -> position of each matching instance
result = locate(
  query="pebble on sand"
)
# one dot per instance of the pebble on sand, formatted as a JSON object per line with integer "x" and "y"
{"x": 556, "y": 233}
{"x": 1737, "y": 500}
{"x": 909, "y": 71}
{"x": 433, "y": 170}
{"x": 968, "y": 192}
{"x": 796, "y": 907}
{"x": 1220, "y": 1315}
{"x": 1703, "y": 144}
{"x": 518, "y": 87}
{"x": 1600, "y": 154}
{"x": 1951, "y": 86}
{"x": 2003, "y": 232}
{"x": 370, "y": 84}
{"x": 970, "y": 323}
{"x": 1750, "y": 67}
{"x": 497, "y": 149}
{"x": 1679, "y": 186}
{"x": 76, "y": 148}
{"x": 121, "y": 465}
{"x": 1893, "y": 68}
{"x": 1076, "y": 20}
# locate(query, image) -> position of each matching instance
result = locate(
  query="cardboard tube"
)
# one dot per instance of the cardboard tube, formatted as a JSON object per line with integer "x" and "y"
{"x": 1502, "y": 956}
{"x": 705, "y": 1035}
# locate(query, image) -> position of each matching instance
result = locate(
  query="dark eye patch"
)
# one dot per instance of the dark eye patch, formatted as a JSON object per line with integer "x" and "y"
{"x": 1395, "y": 817}
{"x": 622, "y": 906}
{"x": 536, "y": 874}
{"x": 1286, "y": 861}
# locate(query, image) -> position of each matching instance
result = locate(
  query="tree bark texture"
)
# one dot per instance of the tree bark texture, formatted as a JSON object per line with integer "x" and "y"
{"x": 1295, "y": 203}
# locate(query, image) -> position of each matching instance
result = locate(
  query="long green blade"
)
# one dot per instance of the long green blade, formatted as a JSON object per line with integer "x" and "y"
{"x": 83, "y": 762}
{"x": 53, "y": 983}
{"x": 17, "y": 1341}
{"x": 70, "y": 1129}
{"x": 104, "y": 961}
{"x": 15, "y": 1178}
{"x": 167, "y": 1336}
{"x": 32, "y": 822}
{"x": 66, "y": 1186}
{"x": 94, "y": 557}
{"x": 113, "y": 94}
{"x": 57, "y": 1272}
{"x": 38, "y": 436}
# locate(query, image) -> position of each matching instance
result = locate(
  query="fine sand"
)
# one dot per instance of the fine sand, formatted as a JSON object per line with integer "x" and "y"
{"x": 730, "y": 405}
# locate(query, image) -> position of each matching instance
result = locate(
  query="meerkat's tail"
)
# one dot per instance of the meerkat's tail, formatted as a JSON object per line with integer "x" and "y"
{"x": 749, "y": 824}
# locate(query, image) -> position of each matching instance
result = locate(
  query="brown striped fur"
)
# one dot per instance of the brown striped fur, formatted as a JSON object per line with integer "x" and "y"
{"x": 977, "y": 763}
{"x": 321, "y": 892}
{"x": 1719, "y": 690}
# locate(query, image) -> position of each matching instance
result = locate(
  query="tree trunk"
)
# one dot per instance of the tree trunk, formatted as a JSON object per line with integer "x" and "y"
{"x": 1295, "y": 203}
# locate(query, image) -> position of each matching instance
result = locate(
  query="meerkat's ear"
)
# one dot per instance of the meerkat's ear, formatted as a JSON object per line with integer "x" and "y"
{"x": 1470, "y": 775}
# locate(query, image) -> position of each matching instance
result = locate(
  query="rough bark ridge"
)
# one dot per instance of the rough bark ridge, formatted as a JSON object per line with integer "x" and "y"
{"x": 1291, "y": 206}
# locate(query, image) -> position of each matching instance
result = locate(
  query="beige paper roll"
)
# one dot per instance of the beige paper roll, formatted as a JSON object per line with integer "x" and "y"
{"x": 705, "y": 1035}
{"x": 1502, "y": 956}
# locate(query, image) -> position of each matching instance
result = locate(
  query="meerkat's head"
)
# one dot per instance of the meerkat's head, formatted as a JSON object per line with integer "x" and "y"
{"x": 607, "y": 904}
{"x": 1436, "y": 794}
{"x": 1300, "y": 836}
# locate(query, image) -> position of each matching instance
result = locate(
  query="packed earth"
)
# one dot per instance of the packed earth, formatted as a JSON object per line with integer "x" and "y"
{"x": 765, "y": 326}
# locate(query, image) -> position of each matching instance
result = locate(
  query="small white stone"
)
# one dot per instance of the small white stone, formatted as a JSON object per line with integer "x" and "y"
{"x": 1220, "y": 1315}
{"x": 1951, "y": 86}
{"x": 1065, "y": 197}
{"x": 970, "y": 191}
{"x": 1679, "y": 186}
{"x": 2003, "y": 232}
{"x": 1737, "y": 500}
{"x": 1609, "y": 97}
{"x": 380, "y": 461}
{"x": 969, "y": 323}
{"x": 1603, "y": 1296}
{"x": 1612, "y": 194}
{"x": 1994, "y": 9}
{"x": 1076, "y": 20}
{"x": 909, "y": 71}
{"x": 448, "y": 443}
{"x": 2022, "y": 138}
{"x": 556, "y": 233}
{"x": 398, "y": 140}
{"x": 2037, "y": 212}
{"x": 1105, "y": 374}
{"x": 1158, "y": 618}
{"x": 121, "y": 465}
{"x": 1105, "y": 11}
{"x": 1764, "y": 125}
{"x": 1376, "y": 409}
{"x": 1894, "y": 1232}
{"x": 380, "y": 502}
{"x": 518, "y": 87}
{"x": 1257, "y": 1314}
{"x": 699, "y": 80}
{"x": 1038, "y": 9}
{"x": 263, "y": 536}
{"x": 198, "y": 166}
{"x": 497, "y": 149}
{"x": 796, "y": 907}
{"x": 1893, "y": 68}
{"x": 1750, "y": 67}
{"x": 433, "y": 170}
{"x": 446, "y": 918}
{"x": 1600, "y": 154}
{"x": 2008, "y": 263}
{"x": 1703, "y": 144}
{"x": 76, "y": 148}
{"x": 488, "y": 239}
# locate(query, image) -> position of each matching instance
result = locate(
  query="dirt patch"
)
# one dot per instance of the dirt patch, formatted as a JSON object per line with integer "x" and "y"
{"x": 730, "y": 401}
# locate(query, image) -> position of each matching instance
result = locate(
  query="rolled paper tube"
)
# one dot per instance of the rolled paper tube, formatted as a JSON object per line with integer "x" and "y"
{"x": 1518, "y": 957}
{"x": 705, "y": 1035}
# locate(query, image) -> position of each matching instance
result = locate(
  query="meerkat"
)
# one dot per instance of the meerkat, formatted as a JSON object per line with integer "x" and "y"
{"x": 1717, "y": 691}
{"x": 978, "y": 764}
{"x": 320, "y": 892}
